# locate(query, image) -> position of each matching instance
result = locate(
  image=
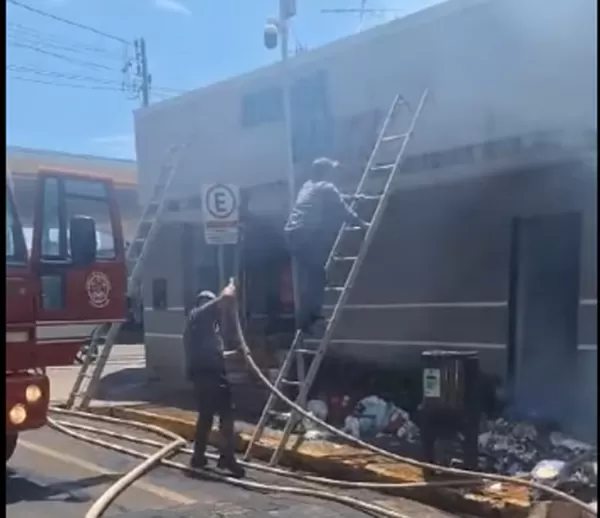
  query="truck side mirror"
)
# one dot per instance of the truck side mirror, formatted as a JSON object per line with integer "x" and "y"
{"x": 82, "y": 240}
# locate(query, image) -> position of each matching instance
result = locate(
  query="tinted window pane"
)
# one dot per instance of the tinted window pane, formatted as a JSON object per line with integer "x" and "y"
{"x": 87, "y": 188}
{"x": 99, "y": 210}
{"x": 51, "y": 220}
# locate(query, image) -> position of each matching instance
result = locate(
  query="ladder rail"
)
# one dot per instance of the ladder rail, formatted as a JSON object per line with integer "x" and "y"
{"x": 386, "y": 123}
{"x": 375, "y": 221}
{"x": 113, "y": 332}
{"x": 87, "y": 361}
{"x": 272, "y": 398}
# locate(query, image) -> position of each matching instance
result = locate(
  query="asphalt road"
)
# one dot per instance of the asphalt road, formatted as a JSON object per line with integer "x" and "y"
{"x": 55, "y": 476}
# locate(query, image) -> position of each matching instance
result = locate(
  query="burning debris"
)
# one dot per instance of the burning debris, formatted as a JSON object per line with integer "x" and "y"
{"x": 512, "y": 448}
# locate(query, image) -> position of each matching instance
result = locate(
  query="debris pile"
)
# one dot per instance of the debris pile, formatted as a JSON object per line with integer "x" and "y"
{"x": 372, "y": 416}
{"x": 517, "y": 448}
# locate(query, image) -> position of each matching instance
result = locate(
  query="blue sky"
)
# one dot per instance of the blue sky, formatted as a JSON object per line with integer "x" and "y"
{"x": 190, "y": 43}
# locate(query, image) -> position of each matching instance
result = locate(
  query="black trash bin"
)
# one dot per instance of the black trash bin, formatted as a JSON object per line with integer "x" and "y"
{"x": 450, "y": 405}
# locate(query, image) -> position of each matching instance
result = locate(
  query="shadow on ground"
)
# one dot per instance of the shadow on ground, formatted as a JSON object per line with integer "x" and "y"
{"x": 133, "y": 385}
{"x": 20, "y": 488}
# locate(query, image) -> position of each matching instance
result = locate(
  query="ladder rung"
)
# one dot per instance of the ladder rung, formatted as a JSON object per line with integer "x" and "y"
{"x": 278, "y": 413}
{"x": 307, "y": 351}
{"x": 291, "y": 383}
{"x": 362, "y": 197}
{"x": 353, "y": 228}
{"x": 384, "y": 167}
{"x": 391, "y": 138}
{"x": 344, "y": 258}
{"x": 338, "y": 289}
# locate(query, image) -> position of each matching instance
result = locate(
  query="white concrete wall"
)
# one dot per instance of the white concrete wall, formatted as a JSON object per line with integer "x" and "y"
{"x": 494, "y": 68}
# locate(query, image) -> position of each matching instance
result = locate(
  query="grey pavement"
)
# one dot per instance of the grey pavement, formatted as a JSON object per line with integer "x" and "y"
{"x": 59, "y": 477}
{"x": 55, "y": 476}
{"x": 124, "y": 371}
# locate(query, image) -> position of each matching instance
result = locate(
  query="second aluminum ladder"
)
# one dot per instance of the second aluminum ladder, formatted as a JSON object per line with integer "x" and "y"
{"x": 86, "y": 383}
{"x": 298, "y": 352}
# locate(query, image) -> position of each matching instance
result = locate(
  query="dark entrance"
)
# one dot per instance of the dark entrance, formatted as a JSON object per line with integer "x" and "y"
{"x": 544, "y": 301}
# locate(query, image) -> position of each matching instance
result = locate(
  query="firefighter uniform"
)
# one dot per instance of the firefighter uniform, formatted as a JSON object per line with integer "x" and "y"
{"x": 206, "y": 370}
{"x": 310, "y": 231}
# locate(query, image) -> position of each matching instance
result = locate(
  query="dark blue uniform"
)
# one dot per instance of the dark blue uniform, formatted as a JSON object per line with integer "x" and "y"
{"x": 205, "y": 367}
{"x": 310, "y": 231}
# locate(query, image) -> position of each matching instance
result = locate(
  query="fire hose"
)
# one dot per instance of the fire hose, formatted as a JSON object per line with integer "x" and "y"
{"x": 177, "y": 444}
{"x": 160, "y": 457}
{"x": 384, "y": 453}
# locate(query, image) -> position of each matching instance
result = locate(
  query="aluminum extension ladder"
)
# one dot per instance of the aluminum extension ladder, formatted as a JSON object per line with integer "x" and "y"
{"x": 86, "y": 383}
{"x": 298, "y": 352}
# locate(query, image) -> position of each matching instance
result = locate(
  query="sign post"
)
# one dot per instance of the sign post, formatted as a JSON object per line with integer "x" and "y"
{"x": 220, "y": 213}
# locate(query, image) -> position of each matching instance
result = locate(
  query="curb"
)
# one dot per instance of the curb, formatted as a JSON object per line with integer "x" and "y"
{"x": 341, "y": 462}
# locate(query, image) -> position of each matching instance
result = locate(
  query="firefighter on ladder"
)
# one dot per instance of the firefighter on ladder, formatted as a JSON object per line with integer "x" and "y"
{"x": 310, "y": 231}
{"x": 206, "y": 370}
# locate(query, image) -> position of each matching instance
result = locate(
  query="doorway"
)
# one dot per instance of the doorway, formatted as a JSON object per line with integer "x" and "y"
{"x": 543, "y": 306}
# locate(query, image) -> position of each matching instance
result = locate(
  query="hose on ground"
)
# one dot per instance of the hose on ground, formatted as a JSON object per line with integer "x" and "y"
{"x": 160, "y": 457}
{"x": 275, "y": 471}
{"x": 384, "y": 453}
{"x": 110, "y": 495}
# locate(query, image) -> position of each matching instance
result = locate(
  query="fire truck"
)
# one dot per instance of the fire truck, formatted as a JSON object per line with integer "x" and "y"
{"x": 58, "y": 289}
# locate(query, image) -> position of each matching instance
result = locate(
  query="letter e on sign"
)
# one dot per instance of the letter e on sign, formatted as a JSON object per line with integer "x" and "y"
{"x": 220, "y": 213}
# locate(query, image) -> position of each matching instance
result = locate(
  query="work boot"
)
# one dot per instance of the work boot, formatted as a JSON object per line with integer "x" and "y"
{"x": 198, "y": 462}
{"x": 231, "y": 465}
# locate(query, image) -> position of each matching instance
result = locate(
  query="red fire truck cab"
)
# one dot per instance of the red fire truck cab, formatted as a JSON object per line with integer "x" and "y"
{"x": 71, "y": 280}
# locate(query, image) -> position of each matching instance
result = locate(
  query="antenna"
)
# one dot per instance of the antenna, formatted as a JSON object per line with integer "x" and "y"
{"x": 362, "y": 11}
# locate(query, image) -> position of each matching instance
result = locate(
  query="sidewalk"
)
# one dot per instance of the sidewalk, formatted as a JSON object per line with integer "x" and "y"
{"x": 173, "y": 410}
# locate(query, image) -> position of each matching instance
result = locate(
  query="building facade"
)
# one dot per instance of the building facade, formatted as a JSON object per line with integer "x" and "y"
{"x": 489, "y": 240}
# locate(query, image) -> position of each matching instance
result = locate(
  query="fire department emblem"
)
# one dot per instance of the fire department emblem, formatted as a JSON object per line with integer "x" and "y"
{"x": 98, "y": 288}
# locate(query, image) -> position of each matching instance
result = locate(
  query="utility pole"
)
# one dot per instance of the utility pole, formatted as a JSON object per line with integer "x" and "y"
{"x": 142, "y": 70}
{"x": 278, "y": 29}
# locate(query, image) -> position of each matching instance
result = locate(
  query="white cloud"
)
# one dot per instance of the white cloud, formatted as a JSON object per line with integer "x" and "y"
{"x": 175, "y": 6}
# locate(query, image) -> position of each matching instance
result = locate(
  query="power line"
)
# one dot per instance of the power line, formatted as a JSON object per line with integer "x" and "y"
{"x": 24, "y": 69}
{"x": 68, "y": 22}
{"x": 51, "y": 40}
{"x": 38, "y": 49}
{"x": 67, "y": 85}
{"x": 60, "y": 75}
{"x": 36, "y": 41}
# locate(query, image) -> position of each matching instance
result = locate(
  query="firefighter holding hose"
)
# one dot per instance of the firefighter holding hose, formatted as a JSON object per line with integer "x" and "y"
{"x": 311, "y": 229}
{"x": 206, "y": 370}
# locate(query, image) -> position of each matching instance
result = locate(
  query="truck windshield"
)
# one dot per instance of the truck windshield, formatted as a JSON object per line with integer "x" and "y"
{"x": 16, "y": 250}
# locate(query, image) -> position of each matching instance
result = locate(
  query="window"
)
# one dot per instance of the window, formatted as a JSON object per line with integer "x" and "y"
{"x": 68, "y": 198}
{"x": 173, "y": 205}
{"x": 100, "y": 211}
{"x": 53, "y": 243}
{"x": 86, "y": 189}
{"x": 262, "y": 107}
{"x": 159, "y": 294}
{"x": 16, "y": 250}
{"x": 90, "y": 198}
